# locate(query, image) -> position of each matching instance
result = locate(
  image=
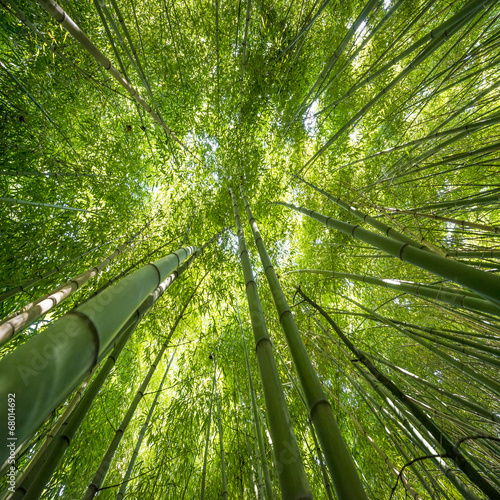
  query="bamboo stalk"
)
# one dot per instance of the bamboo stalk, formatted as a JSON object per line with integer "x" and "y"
{"x": 74, "y": 30}
{"x": 484, "y": 284}
{"x": 258, "y": 432}
{"x": 36, "y": 481}
{"x": 26, "y": 316}
{"x": 26, "y": 285}
{"x": 142, "y": 433}
{"x": 461, "y": 462}
{"x": 338, "y": 458}
{"x": 103, "y": 468}
{"x": 451, "y": 296}
{"x": 291, "y": 474}
{"x": 48, "y": 367}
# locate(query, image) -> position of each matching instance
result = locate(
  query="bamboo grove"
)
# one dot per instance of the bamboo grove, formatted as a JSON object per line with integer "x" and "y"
{"x": 250, "y": 249}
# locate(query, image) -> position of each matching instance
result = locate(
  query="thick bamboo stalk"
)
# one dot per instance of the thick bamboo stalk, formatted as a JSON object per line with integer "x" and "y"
{"x": 291, "y": 474}
{"x": 48, "y": 367}
{"x": 319, "y": 455}
{"x": 338, "y": 458}
{"x": 103, "y": 468}
{"x": 35, "y": 481}
{"x": 74, "y": 30}
{"x": 465, "y": 299}
{"x": 484, "y": 284}
{"x": 461, "y": 462}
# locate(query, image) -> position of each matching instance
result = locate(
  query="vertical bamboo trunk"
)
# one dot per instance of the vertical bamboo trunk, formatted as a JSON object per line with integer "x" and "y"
{"x": 338, "y": 458}
{"x": 292, "y": 477}
{"x": 207, "y": 438}
{"x": 35, "y": 481}
{"x": 258, "y": 431}
{"x": 142, "y": 433}
{"x": 47, "y": 368}
{"x": 223, "y": 464}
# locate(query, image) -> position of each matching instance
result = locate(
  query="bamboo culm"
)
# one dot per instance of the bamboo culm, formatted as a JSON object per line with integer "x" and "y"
{"x": 291, "y": 473}
{"x": 484, "y": 284}
{"x": 338, "y": 458}
{"x": 37, "y": 480}
{"x": 461, "y": 462}
{"x": 48, "y": 367}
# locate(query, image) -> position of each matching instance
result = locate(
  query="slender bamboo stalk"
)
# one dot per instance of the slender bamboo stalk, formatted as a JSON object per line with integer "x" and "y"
{"x": 487, "y": 382}
{"x": 94, "y": 486}
{"x": 432, "y": 35}
{"x": 223, "y": 464}
{"x": 380, "y": 226}
{"x": 142, "y": 433}
{"x": 15, "y": 201}
{"x": 21, "y": 319}
{"x": 26, "y": 285}
{"x": 462, "y": 223}
{"x": 470, "y": 406}
{"x": 244, "y": 52}
{"x": 291, "y": 474}
{"x": 338, "y": 458}
{"x": 74, "y": 30}
{"x": 334, "y": 58}
{"x": 451, "y": 450}
{"x": 416, "y": 432}
{"x": 457, "y": 22}
{"x": 207, "y": 438}
{"x": 484, "y": 284}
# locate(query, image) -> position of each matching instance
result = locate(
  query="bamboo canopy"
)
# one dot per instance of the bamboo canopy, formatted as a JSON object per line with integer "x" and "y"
{"x": 250, "y": 250}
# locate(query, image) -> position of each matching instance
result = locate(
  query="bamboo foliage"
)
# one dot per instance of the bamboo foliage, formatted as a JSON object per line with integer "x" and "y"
{"x": 60, "y": 15}
{"x": 392, "y": 107}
